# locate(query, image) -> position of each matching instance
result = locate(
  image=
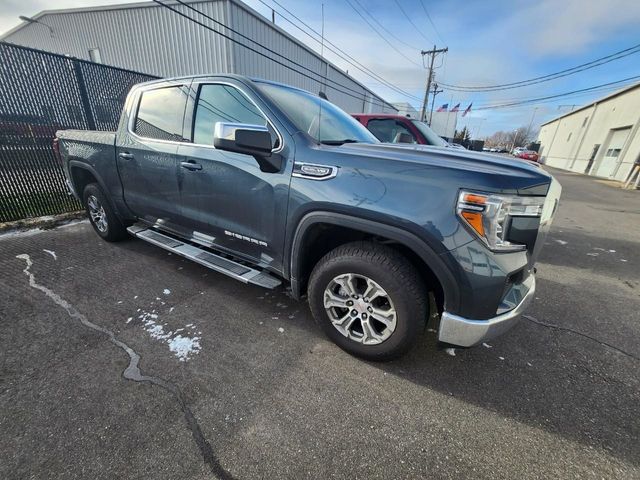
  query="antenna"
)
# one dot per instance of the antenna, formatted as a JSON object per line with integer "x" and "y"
{"x": 321, "y": 94}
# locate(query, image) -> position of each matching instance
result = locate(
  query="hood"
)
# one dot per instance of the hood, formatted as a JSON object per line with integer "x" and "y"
{"x": 499, "y": 173}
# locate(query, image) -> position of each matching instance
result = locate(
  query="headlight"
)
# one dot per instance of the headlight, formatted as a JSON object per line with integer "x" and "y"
{"x": 489, "y": 216}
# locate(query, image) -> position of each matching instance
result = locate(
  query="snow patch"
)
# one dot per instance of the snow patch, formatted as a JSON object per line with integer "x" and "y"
{"x": 501, "y": 358}
{"x": 181, "y": 346}
{"x": 281, "y": 330}
{"x": 486, "y": 345}
{"x": 451, "y": 351}
{"x": 166, "y": 291}
{"x": 593, "y": 254}
{"x": 623, "y": 260}
{"x": 51, "y": 252}
{"x": 561, "y": 242}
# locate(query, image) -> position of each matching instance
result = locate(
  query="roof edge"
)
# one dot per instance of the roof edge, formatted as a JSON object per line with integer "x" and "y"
{"x": 595, "y": 102}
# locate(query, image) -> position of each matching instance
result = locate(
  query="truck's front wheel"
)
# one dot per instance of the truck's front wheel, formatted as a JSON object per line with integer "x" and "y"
{"x": 369, "y": 300}
{"x": 102, "y": 217}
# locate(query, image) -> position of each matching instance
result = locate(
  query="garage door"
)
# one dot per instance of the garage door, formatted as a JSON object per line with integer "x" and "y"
{"x": 611, "y": 156}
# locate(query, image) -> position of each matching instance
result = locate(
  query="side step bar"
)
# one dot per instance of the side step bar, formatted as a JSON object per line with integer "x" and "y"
{"x": 203, "y": 257}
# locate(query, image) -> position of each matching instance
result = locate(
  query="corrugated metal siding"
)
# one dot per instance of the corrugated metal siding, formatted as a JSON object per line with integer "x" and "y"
{"x": 340, "y": 88}
{"x": 157, "y": 41}
{"x": 152, "y": 40}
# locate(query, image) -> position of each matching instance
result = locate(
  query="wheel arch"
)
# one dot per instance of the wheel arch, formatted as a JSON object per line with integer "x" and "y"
{"x": 302, "y": 258}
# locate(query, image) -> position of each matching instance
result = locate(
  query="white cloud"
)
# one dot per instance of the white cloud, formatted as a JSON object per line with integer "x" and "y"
{"x": 551, "y": 27}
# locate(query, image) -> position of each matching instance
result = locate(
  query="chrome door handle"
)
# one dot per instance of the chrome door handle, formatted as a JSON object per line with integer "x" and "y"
{"x": 191, "y": 165}
{"x": 126, "y": 155}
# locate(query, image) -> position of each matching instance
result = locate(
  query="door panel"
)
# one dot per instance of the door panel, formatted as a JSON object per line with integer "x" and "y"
{"x": 611, "y": 156}
{"x": 230, "y": 203}
{"x": 147, "y": 157}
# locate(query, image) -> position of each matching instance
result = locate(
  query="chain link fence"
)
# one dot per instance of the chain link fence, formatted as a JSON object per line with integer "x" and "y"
{"x": 40, "y": 93}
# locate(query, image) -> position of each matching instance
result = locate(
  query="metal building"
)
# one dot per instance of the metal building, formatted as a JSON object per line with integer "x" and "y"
{"x": 600, "y": 139}
{"x": 149, "y": 38}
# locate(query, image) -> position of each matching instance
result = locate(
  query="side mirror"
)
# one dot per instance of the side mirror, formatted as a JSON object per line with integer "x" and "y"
{"x": 240, "y": 138}
{"x": 254, "y": 140}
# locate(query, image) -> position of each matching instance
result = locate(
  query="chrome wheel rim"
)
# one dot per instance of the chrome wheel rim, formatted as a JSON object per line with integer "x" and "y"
{"x": 360, "y": 309}
{"x": 97, "y": 213}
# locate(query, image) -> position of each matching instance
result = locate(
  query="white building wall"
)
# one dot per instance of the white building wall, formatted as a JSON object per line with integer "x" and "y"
{"x": 148, "y": 39}
{"x": 444, "y": 123}
{"x": 569, "y": 141}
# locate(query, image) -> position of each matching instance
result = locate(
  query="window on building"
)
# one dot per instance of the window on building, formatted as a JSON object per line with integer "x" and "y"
{"x": 569, "y": 137}
{"x": 223, "y": 103}
{"x": 160, "y": 113}
{"x": 94, "y": 55}
{"x": 613, "y": 152}
{"x": 389, "y": 130}
{"x": 584, "y": 122}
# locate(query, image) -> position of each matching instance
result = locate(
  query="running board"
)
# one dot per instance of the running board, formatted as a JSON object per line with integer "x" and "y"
{"x": 203, "y": 257}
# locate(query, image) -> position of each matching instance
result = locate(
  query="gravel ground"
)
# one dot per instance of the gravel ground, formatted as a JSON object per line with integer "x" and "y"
{"x": 123, "y": 361}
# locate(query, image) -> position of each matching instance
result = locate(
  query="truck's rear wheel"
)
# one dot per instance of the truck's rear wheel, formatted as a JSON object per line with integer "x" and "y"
{"x": 369, "y": 300}
{"x": 102, "y": 217}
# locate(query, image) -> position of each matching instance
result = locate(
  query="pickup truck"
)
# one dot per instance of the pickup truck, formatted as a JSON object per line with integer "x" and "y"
{"x": 270, "y": 184}
{"x": 391, "y": 128}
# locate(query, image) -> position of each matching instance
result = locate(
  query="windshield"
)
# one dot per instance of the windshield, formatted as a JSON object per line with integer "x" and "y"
{"x": 334, "y": 126}
{"x": 432, "y": 137}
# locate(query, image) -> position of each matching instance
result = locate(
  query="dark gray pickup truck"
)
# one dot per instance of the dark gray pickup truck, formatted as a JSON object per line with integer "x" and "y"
{"x": 267, "y": 183}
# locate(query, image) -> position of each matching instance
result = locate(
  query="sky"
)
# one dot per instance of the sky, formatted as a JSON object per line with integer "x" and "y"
{"x": 490, "y": 42}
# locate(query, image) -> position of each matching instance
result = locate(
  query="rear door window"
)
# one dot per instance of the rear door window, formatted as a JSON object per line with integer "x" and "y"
{"x": 161, "y": 112}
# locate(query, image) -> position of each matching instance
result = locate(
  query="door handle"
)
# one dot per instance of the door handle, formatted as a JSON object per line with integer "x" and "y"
{"x": 191, "y": 165}
{"x": 126, "y": 155}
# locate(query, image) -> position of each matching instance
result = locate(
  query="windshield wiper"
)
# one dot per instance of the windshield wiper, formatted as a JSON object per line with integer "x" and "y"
{"x": 339, "y": 142}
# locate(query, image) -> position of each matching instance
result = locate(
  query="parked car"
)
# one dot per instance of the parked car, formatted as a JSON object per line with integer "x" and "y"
{"x": 270, "y": 184}
{"x": 516, "y": 151}
{"x": 456, "y": 145}
{"x": 398, "y": 129}
{"x": 528, "y": 155}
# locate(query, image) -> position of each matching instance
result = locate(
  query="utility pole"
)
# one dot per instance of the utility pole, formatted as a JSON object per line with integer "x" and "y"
{"x": 433, "y": 100}
{"x": 531, "y": 123}
{"x": 432, "y": 54}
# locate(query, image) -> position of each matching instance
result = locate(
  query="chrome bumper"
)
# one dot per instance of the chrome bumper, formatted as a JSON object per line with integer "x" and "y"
{"x": 467, "y": 333}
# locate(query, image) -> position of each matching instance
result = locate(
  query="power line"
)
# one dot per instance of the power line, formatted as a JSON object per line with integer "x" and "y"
{"x": 385, "y": 28}
{"x": 381, "y": 35}
{"x": 578, "y": 94}
{"x": 360, "y": 97}
{"x": 435, "y": 29}
{"x": 217, "y": 22}
{"x": 411, "y": 21}
{"x": 546, "y": 78}
{"x": 337, "y": 50}
{"x": 548, "y": 97}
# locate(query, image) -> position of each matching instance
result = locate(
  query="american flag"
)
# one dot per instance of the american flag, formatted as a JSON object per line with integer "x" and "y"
{"x": 456, "y": 108}
{"x": 468, "y": 109}
{"x": 443, "y": 108}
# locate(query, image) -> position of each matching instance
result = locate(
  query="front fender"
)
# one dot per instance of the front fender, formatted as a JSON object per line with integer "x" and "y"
{"x": 436, "y": 262}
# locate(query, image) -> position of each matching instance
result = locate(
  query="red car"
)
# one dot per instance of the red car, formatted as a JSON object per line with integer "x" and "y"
{"x": 398, "y": 129}
{"x": 529, "y": 155}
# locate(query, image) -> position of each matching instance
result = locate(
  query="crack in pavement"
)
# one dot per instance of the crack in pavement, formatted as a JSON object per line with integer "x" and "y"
{"x": 566, "y": 329}
{"x": 133, "y": 373}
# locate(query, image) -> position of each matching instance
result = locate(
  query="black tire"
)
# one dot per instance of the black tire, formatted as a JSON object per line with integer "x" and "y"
{"x": 111, "y": 229}
{"x": 394, "y": 274}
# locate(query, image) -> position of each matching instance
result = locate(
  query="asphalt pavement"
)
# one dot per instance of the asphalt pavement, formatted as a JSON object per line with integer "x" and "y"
{"x": 124, "y": 361}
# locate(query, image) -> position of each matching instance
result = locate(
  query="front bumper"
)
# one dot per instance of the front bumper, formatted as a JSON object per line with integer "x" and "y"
{"x": 465, "y": 332}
